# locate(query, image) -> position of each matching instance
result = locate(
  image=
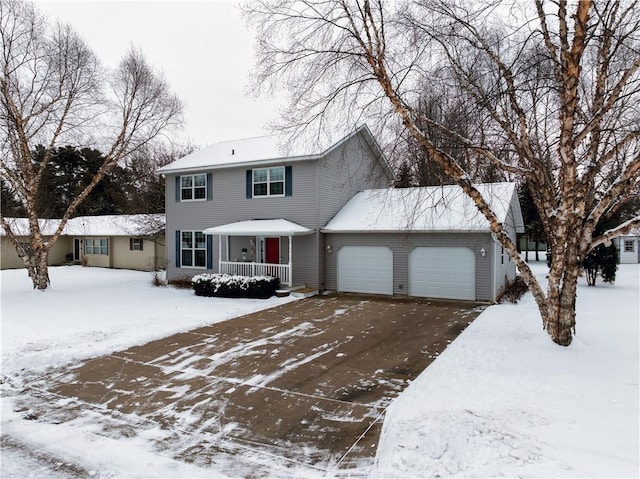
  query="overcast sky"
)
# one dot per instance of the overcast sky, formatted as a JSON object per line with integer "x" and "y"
{"x": 204, "y": 49}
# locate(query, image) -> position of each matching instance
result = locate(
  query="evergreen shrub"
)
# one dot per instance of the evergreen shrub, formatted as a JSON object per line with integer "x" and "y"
{"x": 235, "y": 286}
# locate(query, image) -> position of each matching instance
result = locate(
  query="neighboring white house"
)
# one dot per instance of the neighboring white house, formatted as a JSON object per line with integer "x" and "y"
{"x": 629, "y": 247}
{"x": 109, "y": 241}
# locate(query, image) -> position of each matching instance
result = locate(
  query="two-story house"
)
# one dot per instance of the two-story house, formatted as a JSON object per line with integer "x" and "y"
{"x": 329, "y": 221}
{"x": 241, "y": 207}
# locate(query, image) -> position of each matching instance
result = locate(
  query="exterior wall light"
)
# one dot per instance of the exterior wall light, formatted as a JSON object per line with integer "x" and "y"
{"x": 483, "y": 253}
{"x": 329, "y": 249}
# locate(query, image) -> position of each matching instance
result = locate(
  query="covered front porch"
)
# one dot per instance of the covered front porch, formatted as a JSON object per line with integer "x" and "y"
{"x": 258, "y": 248}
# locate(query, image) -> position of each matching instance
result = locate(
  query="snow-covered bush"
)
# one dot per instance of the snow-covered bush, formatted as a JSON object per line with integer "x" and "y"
{"x": 234, "y": 286}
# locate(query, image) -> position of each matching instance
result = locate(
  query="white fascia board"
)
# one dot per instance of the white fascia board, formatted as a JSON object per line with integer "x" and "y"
{"x": 247, "y": 164}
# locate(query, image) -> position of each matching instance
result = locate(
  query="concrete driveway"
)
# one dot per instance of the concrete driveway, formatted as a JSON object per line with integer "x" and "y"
{"x": 303, "y": 385}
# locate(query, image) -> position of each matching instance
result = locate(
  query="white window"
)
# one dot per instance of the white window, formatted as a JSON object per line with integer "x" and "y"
{"x": 96, "y": 246}
{"x": 629, "y": 246}
{"x": 135, "y": 244}
{"x": 193, "y": 249}
{"x": 268, "y": 181}
{"x": 193, "y": 187}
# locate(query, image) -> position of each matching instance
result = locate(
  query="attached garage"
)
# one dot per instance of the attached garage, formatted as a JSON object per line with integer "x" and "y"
{"x": 429, "y": 242}
{"x": 365, "y": 269}
{"x": 442, "y": 272}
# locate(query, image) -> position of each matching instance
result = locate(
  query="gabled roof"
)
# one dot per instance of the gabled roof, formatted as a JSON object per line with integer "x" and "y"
{"x": 277, "y": 227}
{"x": 261, "y": 150}
{"x": 427, "y": 209}
{"x": 105, "y": 225}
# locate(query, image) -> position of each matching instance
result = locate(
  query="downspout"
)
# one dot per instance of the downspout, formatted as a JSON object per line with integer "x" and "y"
{"x": 320, "y": 252}
{"x": 494, "y": 256}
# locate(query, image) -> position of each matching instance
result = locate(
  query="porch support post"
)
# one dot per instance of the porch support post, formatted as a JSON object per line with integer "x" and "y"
{"x": 219, "y": 253}
{"x": 290, "y": 261}
{"x": 227, "y": 247}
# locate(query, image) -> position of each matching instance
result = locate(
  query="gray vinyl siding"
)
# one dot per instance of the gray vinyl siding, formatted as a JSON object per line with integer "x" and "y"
{"x": 350, "y": 168}
{"x": 319, "y": 189}
{"x": 402, "y": 244}
{"x": 230, "y": 205}
{"x": 505, "y": 268}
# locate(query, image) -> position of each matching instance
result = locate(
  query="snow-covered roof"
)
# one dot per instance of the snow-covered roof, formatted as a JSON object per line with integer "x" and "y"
{"x": 20, "y": 226}
{"x": 260, "y": 150}
{"x": 278, "y": 227}
{"x": 228, "y": 153}
{"x": 105, "y": 225}
{"x": 425, "y": 209}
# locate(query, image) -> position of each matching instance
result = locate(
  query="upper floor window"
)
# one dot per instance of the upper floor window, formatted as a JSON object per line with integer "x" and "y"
{"x": 96, "y": 246}
{"x": 193, "y": 187}
{"x": 268, "y": 181}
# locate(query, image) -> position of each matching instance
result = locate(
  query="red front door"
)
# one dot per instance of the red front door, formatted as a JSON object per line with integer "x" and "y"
{"x": 272, "y": 250}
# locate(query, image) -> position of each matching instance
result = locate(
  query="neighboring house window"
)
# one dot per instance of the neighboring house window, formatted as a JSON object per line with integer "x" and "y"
{"x": 193, "y": 249}
{"x": 193, "y": 187}
{"x": 96, "y": 246}
{"x": 269, "y": 182}
{"x": 629, "y": 246}
{"x": 135, "y": 244}
{"x": 27, "y": 248}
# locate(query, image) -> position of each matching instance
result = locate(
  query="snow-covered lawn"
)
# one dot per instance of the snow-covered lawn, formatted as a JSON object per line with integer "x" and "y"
{"x": 89, "y": 312}
{"x": 502, "y": 400}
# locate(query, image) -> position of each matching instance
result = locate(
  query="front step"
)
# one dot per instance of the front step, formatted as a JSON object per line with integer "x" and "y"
{"x": 300, "y": 291}
{"x": 304, "y": 292}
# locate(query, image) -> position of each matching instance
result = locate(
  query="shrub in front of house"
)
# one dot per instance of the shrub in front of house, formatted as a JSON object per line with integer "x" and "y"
{"x": 234, "y": 286}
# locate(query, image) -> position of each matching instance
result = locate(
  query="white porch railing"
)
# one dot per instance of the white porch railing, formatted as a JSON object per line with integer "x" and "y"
{"x": 282, "y": 271}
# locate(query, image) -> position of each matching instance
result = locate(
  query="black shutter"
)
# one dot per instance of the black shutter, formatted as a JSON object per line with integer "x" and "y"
{"x": 177, "y": 248}
{"x": 288, "y": 181}
{"x": 209, "y": 186}
{"x": 141, "y": 244}
{"x": 130, "y": 244}
{"x": 249, "y": 184}
{"x": 209, "y": 251}
{"x": 178, "y": 188}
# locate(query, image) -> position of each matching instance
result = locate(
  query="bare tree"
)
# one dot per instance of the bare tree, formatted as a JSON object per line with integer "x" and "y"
{"x": 145, "y": 189}
{"x": 53, "y": 90}
{"x": 557, "y": 83}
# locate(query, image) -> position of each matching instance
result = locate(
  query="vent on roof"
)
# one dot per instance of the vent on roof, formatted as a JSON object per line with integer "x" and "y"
{"x": 233, "y": 152}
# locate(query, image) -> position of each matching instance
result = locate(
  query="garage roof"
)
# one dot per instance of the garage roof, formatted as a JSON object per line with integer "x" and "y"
{"x": 426, "y": 209}
{"x": 278, "y": 227}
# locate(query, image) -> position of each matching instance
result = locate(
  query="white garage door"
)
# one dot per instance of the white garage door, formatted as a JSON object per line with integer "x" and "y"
{"x": 442, "y": 272}
{"x": 365, "y": 269}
